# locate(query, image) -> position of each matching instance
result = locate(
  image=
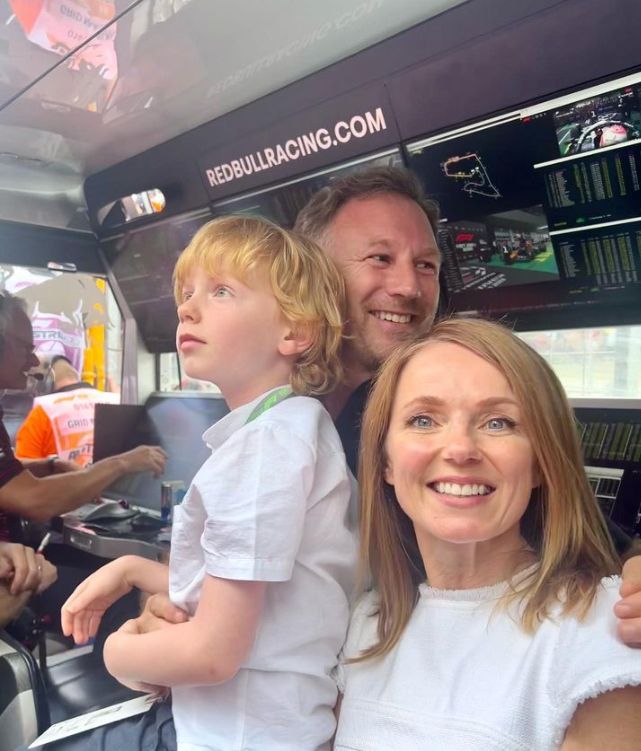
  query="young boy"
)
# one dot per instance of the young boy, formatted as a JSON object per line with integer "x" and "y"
{"x": 261, "y": 556}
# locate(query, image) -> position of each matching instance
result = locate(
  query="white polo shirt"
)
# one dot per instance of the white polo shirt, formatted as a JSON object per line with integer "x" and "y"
{"x": 270, "y": 504}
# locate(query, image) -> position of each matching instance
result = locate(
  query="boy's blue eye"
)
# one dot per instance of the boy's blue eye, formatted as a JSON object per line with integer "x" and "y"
{"x": 222, "y": 292}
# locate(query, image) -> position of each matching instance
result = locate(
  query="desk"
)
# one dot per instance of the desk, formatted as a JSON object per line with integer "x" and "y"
{"x": 75, "y": 534}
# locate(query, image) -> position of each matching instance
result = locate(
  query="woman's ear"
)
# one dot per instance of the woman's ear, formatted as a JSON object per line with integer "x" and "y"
{"x": 388, "y": 474}
{"x": 295, "y": 341}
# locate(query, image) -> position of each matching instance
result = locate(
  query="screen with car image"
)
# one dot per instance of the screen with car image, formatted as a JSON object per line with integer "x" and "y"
{"x": 541, "y": 209}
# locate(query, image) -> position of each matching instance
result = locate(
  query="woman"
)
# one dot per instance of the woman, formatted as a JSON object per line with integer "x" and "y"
{"x": 491, "y": 622}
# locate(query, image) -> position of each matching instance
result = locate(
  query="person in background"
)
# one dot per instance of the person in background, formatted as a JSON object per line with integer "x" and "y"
{"x": 490, "y": 623}
{"x": 261, "y": 558}
{"x": 61, "y": 423}
{"x": 380, "y": 230}
{"x": 47, "y": 488}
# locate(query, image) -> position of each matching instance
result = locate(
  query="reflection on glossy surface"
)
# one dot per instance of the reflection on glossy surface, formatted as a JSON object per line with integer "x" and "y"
{"x": 83, "y": 33}
{"x": 85, "y": 84}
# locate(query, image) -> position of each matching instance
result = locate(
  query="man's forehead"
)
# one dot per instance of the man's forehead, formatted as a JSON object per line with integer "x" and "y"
{"x": 383, "y": 219}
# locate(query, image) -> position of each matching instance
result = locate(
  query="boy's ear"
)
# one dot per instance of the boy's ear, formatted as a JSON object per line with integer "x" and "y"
{"x": 295, "y": 341}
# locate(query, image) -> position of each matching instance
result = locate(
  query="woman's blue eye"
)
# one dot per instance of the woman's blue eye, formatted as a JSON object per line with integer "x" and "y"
{"x": 421, "y": 421}
{"x": 499, "y": 423}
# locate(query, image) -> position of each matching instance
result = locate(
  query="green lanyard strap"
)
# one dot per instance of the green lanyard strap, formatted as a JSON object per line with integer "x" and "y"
{"x": 271, "y": 400}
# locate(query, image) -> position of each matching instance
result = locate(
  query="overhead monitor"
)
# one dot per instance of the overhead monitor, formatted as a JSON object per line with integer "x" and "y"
{"x": 541, "y": 209}
{"x": 143, "y": 260}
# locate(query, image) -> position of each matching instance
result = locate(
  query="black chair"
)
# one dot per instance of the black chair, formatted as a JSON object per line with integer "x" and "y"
{"x": 24, "y": 709}
{"x": 75, "y": 682}
{"x": 79, "y": 683}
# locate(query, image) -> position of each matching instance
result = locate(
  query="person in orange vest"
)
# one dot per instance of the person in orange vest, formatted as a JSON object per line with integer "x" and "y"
{"x": 61, "y": 423}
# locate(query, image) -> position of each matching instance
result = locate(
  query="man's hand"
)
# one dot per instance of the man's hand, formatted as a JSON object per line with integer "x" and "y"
{"x": 62, "y": 466}
{"x": 24, "y": 570}
{"x": 628, "y": 609}
{"x": 145, "y": 458}
{"x": 46, "y": 468}
{"x": 159, "y": 612}
{"x": 48, "y": 574}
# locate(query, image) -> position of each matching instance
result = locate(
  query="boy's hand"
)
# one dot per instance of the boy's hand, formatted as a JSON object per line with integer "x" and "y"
{"x": 159, "y": 612}
{"x": 130, "y": 627}
{"x": 628, "y": 609}
{"x": 82, "y": 612}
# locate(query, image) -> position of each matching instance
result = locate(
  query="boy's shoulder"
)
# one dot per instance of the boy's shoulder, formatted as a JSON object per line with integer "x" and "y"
{"x": 302, "y": 417}
{"x": 296, "y": 408}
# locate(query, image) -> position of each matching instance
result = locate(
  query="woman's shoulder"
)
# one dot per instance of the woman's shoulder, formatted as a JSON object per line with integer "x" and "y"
{"x": 589, "y": 658}
{"x": 363, "y": 624}
{"x": 588, "y": 643}
{"x": 600, "y": 610}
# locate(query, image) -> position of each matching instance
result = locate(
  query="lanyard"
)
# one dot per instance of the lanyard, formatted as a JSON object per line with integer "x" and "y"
{"x": 271, "y": 400}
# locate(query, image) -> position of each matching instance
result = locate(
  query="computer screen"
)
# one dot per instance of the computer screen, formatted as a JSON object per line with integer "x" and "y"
{"x": 143, "y": 261}
{"x": 174, "y": 421}
{"x": 541, "y": 209}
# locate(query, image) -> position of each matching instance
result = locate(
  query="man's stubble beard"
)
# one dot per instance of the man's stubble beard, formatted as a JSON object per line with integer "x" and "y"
{"x": 367, "y": 358}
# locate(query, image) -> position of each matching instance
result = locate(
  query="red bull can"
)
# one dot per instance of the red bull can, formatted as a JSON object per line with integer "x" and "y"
{"x": 166, "y": 501}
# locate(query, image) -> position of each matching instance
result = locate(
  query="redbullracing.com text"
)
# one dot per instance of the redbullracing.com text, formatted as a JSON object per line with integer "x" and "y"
{"x": 298, "y": 147}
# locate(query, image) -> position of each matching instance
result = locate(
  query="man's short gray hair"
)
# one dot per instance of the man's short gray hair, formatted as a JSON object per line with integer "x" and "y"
{"x": 316, "y": 216}
{"x": 9, "y": 306}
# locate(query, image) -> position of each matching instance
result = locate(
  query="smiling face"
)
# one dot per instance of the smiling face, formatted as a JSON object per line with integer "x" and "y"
{"x": 17, "y": 357}
{"x": 232, "y": 334}
{"x": 386, "y": 250}
{"x": 458, "y": 454}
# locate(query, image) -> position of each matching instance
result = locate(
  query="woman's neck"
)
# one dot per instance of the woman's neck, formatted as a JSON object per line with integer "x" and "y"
{"x": 474, "y": 565}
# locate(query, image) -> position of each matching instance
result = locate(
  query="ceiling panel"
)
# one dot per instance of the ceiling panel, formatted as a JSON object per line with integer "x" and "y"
{"x": 85, "y": 84}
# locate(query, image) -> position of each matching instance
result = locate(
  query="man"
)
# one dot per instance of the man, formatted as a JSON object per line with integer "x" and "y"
{"x": 42, "y": 491}
{"x": 62, "y": 422}
{"x": 381, "y": 231}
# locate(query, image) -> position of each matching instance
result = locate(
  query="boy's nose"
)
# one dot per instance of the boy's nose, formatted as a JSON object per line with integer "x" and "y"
{"x": 187, "y": 311}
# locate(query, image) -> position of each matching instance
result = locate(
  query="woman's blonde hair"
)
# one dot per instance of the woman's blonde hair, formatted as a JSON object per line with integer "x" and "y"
{"x": 562, "y": 523}
{"x": 307, "y": 286}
